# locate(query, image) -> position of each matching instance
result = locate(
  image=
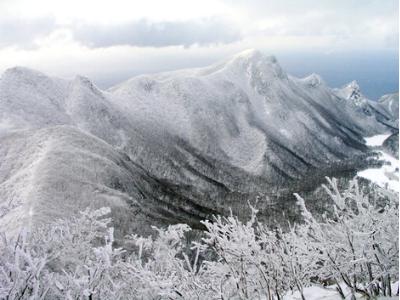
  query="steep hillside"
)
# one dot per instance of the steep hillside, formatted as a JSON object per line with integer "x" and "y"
{"x": 390, "y": 103}
{"x": 249, "y": 113}
{"x": 57, "y": 171}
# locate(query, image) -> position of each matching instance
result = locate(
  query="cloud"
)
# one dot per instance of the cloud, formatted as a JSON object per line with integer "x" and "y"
{"x": 349, "y": 23}
{"x": 144, "y": 33}
{"x": 352, "y": 23}
{"x": 23, "y": 32}
{"x": 113, "y": 40}
{"x": 31, "y": 33}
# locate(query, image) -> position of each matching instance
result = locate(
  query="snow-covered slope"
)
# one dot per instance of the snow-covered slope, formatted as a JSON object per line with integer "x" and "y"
{"x": 390, "y": 104}
{"x": 386, "y": 175}
{"x": 177, "y": 146}
{"x": 31, "y": 99}
{"x": 55, "y": 171}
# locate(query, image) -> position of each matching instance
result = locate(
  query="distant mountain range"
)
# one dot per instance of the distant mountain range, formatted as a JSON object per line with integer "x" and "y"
{"x": 177, "y": 146}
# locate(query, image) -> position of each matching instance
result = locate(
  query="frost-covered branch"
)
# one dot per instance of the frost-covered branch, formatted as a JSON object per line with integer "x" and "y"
{"x": 356, "y": 246}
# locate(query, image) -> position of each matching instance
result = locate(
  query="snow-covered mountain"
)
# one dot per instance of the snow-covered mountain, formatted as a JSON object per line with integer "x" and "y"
{"x": 386, "y": 109}
{"x": 174, "y": 146}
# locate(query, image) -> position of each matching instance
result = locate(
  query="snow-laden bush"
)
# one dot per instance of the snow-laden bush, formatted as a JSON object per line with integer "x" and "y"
{"x": 356, "y": 246}
{"x": 23, "y": 273}
{"x": 359, "y": 245}
{"x": 255, "y": 262}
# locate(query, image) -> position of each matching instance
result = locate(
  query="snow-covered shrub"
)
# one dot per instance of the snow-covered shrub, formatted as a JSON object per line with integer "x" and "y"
{"x": 255, "y": 262}
{"x": 157, "y": 269}
{"x": 357, "y": 245}
{"x": 239, "y": 268}
{"x": 70, "y": 259}
{"x": 22, "y": 270}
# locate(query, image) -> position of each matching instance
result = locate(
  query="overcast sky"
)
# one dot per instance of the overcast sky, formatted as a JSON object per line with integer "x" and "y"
{"x": 109, "y": 41}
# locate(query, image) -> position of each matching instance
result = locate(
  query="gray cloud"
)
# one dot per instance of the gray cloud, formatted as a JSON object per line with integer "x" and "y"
{"x": 22, "y": 32}
{"x": 144, "y": 33}
{"x": 349, "y": 22}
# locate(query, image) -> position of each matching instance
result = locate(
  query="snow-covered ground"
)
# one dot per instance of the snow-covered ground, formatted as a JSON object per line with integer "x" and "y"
{"x": 329, "y": 293}
{"x": 387, "y": 175}
{"x": 315, "y": 293}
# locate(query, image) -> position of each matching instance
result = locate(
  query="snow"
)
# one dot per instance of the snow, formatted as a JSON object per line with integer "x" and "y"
{"x": 390, "y": 104}
{"x": 313, "y": 80}
{"x": 388, "y": 173}
{"x": 55, "y": 172}
{"x": 376, "y": 140}
{"x": 317, "y": 292}
{"x": 352, "y": 93}
{"x": 385, "y": 110}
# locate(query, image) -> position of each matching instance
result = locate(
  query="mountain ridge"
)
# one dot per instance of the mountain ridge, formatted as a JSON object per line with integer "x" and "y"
{"x": 193, "y": 142}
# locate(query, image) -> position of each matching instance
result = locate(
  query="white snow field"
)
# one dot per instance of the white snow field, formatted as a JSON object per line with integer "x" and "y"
{"x": 388, "y": 174}
{"x": 376, "y": 140}
{"x": 315, "y": 293}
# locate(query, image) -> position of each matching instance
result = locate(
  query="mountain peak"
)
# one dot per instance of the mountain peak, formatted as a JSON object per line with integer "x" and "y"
{"x": 253, "y": 55}
{"x": 248, "y": 53}
{"x": 353, "y": 85}
{"x": 82, "y": 81}
{"x": 23, "y": 72}
{"x": 255, "y": 62}
{"x": 313, "y": 80}
{"x": 351, "y": 91}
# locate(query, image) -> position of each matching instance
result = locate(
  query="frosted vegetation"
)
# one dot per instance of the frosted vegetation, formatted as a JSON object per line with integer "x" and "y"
{"x": 355, "y": 249}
